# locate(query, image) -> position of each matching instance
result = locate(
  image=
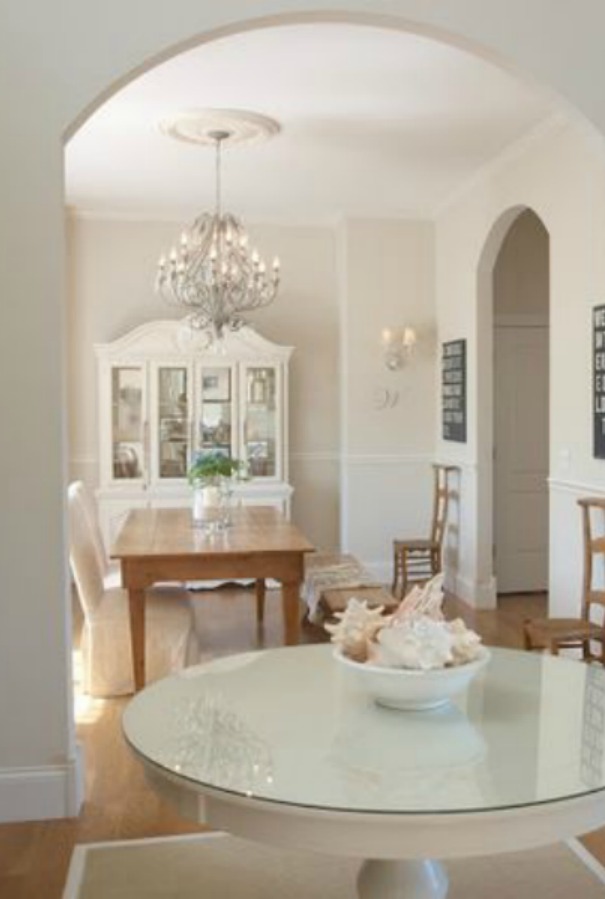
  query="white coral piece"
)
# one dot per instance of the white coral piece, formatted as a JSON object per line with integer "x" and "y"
{"x": 426, "y": 601}
{"x": 416, "y": 636}
{"x": 420, "y": 643}
{"x": 357, "y": 626}
{"x": 466, "y": 646}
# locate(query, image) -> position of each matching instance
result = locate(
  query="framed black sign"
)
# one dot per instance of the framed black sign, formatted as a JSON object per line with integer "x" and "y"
{"x": 453, "y": 390}
{"x": 598, "y": 381}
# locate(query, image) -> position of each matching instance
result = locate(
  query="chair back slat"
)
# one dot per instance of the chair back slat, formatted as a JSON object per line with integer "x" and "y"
{"x": 441, "y": 497}
{"x": 596, "y": 597}
{"x": 593, "y": 508}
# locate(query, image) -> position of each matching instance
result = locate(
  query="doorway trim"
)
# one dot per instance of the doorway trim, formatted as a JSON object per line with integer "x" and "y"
{"x": 485, "y": 574}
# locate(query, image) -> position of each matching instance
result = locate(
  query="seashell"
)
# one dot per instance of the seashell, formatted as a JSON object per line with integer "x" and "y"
{"x": 357, "y": 626}
{"x": 415, "y": 636}
{"x": 421, "y": 643}
{"x": 466, "y": 643}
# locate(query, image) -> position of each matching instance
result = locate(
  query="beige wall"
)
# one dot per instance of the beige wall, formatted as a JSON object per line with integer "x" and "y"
{"x": 331, "y": 310}
{"x": 560, "y": 174}
{"x": 111, "y": 265}
{"x": 56, "y": 67}
{"x": 387, "y": 271}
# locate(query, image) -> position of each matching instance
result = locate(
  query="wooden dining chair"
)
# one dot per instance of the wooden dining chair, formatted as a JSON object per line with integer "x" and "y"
{"x": 417, "y": 560}
{"x": 588, "y": 629}
{"x": 170, "y": 637}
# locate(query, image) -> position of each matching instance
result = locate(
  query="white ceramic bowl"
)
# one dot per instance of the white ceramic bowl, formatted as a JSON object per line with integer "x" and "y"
{"x": 404, "y": 688}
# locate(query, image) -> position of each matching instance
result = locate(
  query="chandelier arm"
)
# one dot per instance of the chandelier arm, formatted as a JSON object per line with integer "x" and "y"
{"x": 218, "y": 177}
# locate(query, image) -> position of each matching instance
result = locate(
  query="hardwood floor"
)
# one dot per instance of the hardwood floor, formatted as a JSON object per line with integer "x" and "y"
{"x": 34, "y": 856}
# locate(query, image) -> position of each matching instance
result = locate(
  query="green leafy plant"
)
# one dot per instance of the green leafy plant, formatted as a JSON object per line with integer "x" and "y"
{"x": 210, "y": 465}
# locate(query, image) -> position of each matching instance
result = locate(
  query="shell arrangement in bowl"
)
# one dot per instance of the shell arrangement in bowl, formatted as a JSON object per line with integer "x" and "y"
{"x": 416, "y": 636}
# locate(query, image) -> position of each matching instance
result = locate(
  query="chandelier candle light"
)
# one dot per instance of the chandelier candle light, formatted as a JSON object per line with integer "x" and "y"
{"x": 214, "y": 273}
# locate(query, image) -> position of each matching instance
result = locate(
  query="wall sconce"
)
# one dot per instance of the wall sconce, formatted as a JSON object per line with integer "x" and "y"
{"x": 398, "y": 344}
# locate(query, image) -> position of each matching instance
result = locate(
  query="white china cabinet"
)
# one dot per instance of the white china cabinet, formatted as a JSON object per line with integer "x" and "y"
{"x": 164, "y": 395}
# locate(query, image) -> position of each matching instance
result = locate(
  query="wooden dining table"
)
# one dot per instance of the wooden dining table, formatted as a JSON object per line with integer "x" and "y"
{"x": 159, "y": 545}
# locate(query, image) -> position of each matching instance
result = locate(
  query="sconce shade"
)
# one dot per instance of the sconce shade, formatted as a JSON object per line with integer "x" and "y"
{"x": 398, "y": 344}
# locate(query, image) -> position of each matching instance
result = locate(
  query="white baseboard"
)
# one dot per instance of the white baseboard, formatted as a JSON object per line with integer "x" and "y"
{"x": 42, "y": 793}
{"x": 476, "y": 594}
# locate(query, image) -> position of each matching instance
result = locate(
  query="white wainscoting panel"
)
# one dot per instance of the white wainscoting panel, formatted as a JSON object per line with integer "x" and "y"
{"x": 386, "y": 497}
{"x": 566, "y": 545}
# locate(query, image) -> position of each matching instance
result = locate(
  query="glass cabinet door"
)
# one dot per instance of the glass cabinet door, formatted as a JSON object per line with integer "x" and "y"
{"x": 173, "y": 417}
{"x": 127, "y": 423}
{"x": 260, "y": 425}
{"x": 216, "y": 401}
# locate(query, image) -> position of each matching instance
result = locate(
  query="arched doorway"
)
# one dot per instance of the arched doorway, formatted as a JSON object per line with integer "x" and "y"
{"x": 34, "y": 158}
{"x": 521, "y": 407}
{"x": 515, "y": 248}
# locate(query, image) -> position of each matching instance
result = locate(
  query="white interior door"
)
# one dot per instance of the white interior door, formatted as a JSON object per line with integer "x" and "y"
{"x": 521, "y": 459}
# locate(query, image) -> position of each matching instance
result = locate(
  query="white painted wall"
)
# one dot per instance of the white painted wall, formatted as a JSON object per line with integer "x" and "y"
{"x": 389, "y": 281}
{"x": 56, "y": 64}
{"x": 387, "y": 271}
{"x": 561, "y": 176}
{"x": 111, "y": 266}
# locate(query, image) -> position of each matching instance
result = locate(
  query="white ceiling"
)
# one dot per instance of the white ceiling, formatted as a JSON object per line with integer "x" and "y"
{"x": 375, "y": 123}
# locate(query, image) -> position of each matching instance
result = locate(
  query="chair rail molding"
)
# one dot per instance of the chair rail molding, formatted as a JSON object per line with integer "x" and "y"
{"x": 355, "y": 459}
{"x": 577, "y": 487}
{"x": 315, "y": 456}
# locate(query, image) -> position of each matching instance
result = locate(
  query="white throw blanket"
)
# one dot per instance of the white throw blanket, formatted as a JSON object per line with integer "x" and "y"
{"x": 345, "y": 574}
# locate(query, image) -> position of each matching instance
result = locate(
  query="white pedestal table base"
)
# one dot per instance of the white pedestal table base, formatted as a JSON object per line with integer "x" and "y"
{"x": 405, "y": 879}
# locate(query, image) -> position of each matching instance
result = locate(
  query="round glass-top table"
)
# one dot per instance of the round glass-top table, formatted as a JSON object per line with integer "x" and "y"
{"x": 281, "y": 746}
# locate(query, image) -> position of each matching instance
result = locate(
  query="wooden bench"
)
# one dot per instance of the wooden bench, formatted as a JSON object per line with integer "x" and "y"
{"x": 331, "y": 579}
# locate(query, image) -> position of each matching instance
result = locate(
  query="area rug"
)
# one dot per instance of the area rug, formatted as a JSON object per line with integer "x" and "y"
{"x": 215, "y": 866}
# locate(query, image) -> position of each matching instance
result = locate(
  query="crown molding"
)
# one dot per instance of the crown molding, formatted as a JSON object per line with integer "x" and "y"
{"x": 173, "y": 217}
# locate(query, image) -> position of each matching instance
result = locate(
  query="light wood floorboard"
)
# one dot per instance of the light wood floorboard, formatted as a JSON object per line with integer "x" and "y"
{"x": 119, "y": 805}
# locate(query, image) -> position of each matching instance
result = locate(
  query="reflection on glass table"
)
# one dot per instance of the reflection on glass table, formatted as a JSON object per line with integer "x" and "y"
{"x": 514, "y": 762}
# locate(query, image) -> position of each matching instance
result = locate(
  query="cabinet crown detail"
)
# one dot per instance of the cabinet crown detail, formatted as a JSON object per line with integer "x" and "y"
{"x": 176, "y": 338}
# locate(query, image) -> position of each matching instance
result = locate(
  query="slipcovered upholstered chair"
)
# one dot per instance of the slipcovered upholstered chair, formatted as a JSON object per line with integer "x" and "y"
{"x": 110, "y": 570}
{"x": 171, "y": 641}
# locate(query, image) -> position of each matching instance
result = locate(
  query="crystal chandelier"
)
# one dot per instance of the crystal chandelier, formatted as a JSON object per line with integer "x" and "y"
{"x": 214, "y": 273}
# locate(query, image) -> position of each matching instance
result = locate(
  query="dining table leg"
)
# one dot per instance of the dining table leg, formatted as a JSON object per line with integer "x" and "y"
{"x": 136, "y": 609}
{"x": 260, "y": 600}
{"x": 290, "y": 592}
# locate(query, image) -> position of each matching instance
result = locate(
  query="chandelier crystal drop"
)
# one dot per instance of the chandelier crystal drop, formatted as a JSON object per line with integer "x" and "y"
{"x": 214, "y": 274}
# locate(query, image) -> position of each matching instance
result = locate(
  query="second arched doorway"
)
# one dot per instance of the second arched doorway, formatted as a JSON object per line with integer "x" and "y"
{"x": 513, "y": 403}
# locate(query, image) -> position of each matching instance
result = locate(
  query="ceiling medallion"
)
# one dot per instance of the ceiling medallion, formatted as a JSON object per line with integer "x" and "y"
{"x": 199, "y": 126}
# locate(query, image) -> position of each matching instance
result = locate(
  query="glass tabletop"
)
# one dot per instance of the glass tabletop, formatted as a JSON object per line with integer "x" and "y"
{"x": 289, "y": 726}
